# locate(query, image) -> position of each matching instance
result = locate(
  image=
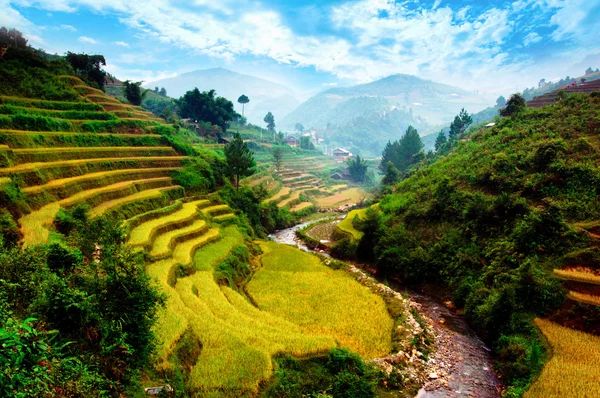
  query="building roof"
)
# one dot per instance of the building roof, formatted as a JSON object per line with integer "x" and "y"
{"x": 345, "y": 151}
{"x": 291, "y": 137}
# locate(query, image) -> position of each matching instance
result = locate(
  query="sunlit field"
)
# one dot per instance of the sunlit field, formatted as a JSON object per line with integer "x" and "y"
{"x": 573, "y": 369}
{"x": 296, "y": 286}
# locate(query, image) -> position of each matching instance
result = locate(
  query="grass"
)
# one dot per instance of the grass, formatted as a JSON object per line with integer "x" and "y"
{"x": 293, "y": 197}
{"x": 578, "y": 276}
{"x": 77, "y": 162}
{"x": 584, "y": 298}
{"x": 237, "y": 347}
{"x": 143, "y": 234}
{"x": 346, "y": 224}
{"x": 301, "y": 206}
{"x": 163, "y": 244}
{"x": 347, "y": 196}
{"x": 281, "y": 194}
{"x": 34, "y": 226}
{"x": 112, "y": 204}
{"x": 216, "y": 210}
{"x": 296, "y": 286}
{"x": 208, "y": 256}
{"x": 573, "y": 369}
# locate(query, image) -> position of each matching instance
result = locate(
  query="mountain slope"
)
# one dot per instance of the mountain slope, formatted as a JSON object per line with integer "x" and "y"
{"x": 435, "y": 102}
{"x": 405, "y": 99}
{"x": 265, "y": 96}
{"x": 494, "y": 218}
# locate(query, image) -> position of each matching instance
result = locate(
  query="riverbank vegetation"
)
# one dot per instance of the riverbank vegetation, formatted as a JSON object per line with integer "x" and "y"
{"x": 493, "y": 217}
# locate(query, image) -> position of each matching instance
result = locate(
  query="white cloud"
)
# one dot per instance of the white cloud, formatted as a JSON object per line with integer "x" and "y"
{"x": 531, "y": 38}
{"x": 465, "y": 46}
{"x": 121, "y": 44}
{"x": 88, "y": 40}
{"x": 68, "y": 27}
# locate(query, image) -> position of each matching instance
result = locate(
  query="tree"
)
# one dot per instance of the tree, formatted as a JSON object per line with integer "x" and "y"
{"x": 163, "y": 92}
{"x": 589, "y": 71}
{"x": 542, "y": 83}
{"x": 514, "y": 105}
{"x": 156, "y": 90}
{"x": 440, "y": 141}
{"x": 133, "y": 92}
{"x": 277, "y": 158}
{"x": 391, "y": 174}
{"x": 240, "y": 159}
{"x": 306, "y": 143}
{"x": 357, "y": 168}
{"x": 270, "y": 120}
{"x": 299, "y": 128}
{"x": 243, "y": 99}
{"x": 460, "y": 124}
{"x": 89, "y": 67}
{"x": 206, "y": 106}
{"x": 501, "y": 101}
{"x": 410, "y": 145}
{"x": 12, "y": 38}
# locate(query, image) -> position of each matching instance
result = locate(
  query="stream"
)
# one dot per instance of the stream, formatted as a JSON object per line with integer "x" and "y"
{"x": 461, "y": 366}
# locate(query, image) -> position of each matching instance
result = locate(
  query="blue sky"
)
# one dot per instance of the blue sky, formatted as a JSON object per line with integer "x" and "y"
{"x": 491, "y": 46}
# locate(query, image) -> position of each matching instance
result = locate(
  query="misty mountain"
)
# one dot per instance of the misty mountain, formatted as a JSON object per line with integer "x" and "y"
{"x": 417, "y": 101}
{"x": 265, "y": 96}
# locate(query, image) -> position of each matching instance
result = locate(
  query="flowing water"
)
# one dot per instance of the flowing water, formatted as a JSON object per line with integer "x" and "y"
{"x": 462, "y": 361}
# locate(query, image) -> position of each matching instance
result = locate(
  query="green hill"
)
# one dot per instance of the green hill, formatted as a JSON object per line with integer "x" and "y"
{"x": 368, "y": 115}
{"x": 495, "y": 217}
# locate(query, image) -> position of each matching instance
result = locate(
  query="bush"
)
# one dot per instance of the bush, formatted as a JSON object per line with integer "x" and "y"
{"x": 234, "y": 269}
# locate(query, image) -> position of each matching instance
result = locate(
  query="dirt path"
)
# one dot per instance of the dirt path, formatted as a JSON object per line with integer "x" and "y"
{"x": 461, "y": 365}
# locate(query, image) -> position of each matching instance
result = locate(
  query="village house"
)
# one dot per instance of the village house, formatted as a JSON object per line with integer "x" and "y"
{"x": 341, "y": 154}
{"x": 292, "y": 141}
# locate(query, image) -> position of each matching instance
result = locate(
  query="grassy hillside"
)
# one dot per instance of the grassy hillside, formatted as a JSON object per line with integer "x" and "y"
{"x": 493, "y": 219}
{"x": 121, "y": 266}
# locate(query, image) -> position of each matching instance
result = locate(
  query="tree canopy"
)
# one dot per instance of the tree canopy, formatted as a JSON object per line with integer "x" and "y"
{"x": 133, "y": 92}
{"x": 440, "y": 141}
{"x": 270, "y": 120}
{"x": 240, "y": 159}
{"x": 277, "y": 158}
{"x": 89, "y": 67}
{"x": 515, "y": 104}
{"x": 460, "y": 124}
{"x": 402, "y": 153}
{"x": 299, "y": 127}
{"x": 12, "y": 38}
{"x": 243, "y": 99}
{"x": 207, "y": 107}
{"x": 357, "y": 168}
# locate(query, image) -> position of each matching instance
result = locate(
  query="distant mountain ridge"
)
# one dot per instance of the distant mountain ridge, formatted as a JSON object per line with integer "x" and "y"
{"x": 389, "y": 105}
{"x": 265, "y": 96}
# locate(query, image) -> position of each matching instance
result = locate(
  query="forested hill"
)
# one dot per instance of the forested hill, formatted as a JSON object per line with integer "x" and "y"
{"x": 365, "y": 117}
{"x": 492, "y": 219}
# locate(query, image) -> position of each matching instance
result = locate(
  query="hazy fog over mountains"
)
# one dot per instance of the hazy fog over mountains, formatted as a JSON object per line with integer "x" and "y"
{"x": 265, "y": 96}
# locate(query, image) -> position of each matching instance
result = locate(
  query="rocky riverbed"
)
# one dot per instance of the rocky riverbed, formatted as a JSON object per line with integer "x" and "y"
{"x": 460, "y": 366}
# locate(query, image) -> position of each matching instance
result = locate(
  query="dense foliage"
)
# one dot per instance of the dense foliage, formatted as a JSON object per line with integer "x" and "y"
{"x": 133, "y": 92}
{"x": 89, "y": 68}
{"x": 26, "y": 74}
{"x": 492, "y": 219}
{"x": 207, "y": 107}
{"x": 240, "y": 159}
{"x": 76, "y": 314}
{"x": 202, "y": 173}
{"x": 404, "y": 152}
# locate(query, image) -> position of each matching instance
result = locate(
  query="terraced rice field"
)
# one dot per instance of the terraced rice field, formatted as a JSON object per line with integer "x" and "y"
{"x": 346, "y": 225}
{"x": 585, "y": 276}
{"x": 573, "y": 369}
{"x": 297, "y": 287}
{"x": 585, "y": 298}
{"x": 109, "y": 170}
{"x": 347, "y": 196}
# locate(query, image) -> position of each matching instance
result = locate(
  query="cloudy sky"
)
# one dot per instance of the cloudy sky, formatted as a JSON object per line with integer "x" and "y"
{"x": 491, "y": 46}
